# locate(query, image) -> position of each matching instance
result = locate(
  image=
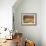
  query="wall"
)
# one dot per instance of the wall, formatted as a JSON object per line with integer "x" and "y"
{"x": 6, "y": 13}
{"x": 6, "y": 16}
{"x": 43, "y": 22}
{"x": 29, "y": 32}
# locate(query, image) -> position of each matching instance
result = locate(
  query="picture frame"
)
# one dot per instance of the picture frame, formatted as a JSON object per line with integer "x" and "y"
{"x": 29, "y": 19}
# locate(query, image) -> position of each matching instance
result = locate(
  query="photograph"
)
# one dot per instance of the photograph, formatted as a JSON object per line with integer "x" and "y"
{"x": 28, "y": 18}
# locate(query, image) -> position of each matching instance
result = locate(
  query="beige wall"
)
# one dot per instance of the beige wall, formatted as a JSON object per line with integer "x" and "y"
{"x": 43, "y": 22}
{"x": 30, "y": 32}
{"x": 6, "y": 13}
{"x": 6, "y": 16}
{"x": 36, "y": 33}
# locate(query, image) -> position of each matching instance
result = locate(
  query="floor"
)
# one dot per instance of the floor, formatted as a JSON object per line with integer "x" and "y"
{"x": 12, "y": 42}
{"x": 9, "y": 43}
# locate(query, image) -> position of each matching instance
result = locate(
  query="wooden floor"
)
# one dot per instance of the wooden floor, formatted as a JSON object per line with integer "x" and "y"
{"x": 12, "y": 42}
{"x": 9, "y": 43}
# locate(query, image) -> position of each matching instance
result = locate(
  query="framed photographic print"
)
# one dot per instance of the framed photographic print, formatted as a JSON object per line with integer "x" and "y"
{"x": 29, "y": 19}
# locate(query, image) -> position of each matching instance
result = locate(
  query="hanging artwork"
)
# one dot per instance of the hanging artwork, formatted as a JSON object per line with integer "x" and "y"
{"x": 29, "y": 19}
